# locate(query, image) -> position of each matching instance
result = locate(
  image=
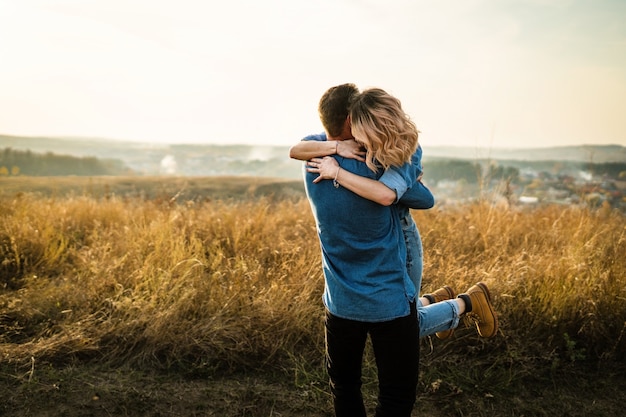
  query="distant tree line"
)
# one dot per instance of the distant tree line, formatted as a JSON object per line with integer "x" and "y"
{"x": 610, "y": 169}
{"x": 453, "y": 170}
{"x": 17, "y": 162}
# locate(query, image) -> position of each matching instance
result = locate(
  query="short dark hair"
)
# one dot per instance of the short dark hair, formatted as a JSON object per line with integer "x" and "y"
{"x": 334, "y": 106}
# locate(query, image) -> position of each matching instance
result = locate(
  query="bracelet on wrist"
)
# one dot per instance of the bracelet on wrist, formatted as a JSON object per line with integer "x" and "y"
{"x": 335, "y": 181}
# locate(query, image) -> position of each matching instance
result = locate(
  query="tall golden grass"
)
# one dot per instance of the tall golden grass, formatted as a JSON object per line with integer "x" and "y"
{"x": 201, "y": 285}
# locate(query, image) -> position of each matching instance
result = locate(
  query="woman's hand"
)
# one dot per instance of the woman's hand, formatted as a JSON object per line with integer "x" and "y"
{"x": 350, "y": 148}
{"x": 327, "y": 168}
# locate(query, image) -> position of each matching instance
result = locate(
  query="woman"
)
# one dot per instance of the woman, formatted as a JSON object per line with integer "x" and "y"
{"x": 390, "y": 138}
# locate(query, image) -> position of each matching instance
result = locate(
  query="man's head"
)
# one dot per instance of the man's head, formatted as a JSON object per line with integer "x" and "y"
{"x": 333, "y": 110}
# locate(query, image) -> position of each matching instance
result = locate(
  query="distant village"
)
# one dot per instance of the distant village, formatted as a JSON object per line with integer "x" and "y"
{"x": 532, "y": 188}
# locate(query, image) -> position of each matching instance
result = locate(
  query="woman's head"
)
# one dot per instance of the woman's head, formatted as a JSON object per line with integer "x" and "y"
{"x": 384, "y": 129}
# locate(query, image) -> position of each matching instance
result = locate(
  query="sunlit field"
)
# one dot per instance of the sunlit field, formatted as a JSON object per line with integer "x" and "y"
{"x": 208, "y": 287}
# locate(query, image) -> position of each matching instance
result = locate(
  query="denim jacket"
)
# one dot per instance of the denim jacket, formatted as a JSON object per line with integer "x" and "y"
{"x": 409, "y": 192}
{"x": 363, "y": 264}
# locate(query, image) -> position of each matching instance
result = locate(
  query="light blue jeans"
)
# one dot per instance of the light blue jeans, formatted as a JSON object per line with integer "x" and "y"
{"x": 433, "y": 317}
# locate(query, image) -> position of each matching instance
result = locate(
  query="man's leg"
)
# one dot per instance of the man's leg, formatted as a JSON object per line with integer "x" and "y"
{"x": 345, "y": 343}
{"x": 396, "y": 348}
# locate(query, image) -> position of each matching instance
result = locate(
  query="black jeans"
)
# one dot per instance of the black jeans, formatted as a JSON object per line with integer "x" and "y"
{"x": 396, "y": 350}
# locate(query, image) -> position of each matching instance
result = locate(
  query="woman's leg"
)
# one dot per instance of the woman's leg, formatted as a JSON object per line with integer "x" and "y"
{"x": 439, "y": 317}
{"x": 414, "y": 252}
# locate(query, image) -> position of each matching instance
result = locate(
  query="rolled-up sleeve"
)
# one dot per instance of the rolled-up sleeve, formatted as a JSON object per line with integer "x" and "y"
{"x": 399, "y": 179}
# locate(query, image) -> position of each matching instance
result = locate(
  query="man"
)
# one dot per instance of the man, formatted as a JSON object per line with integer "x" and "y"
{"x": 367, "y": 290}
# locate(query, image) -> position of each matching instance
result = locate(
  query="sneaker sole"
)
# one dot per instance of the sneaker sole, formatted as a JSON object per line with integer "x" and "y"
{"x": 483, "y": 287}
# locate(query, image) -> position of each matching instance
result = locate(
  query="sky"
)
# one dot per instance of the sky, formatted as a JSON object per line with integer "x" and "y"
{"x": 479, "y": 73}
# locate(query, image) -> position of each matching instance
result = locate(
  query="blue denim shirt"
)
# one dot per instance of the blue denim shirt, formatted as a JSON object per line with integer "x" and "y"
{"x": 409, "y": 192}
{"x": 363, "y": 264}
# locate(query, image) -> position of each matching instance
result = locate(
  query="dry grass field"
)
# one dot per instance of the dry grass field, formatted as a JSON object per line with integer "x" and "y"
{"x": 202, "y": 297}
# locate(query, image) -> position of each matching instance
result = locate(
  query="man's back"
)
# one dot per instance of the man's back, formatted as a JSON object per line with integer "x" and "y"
{"x": 364, "y": 265}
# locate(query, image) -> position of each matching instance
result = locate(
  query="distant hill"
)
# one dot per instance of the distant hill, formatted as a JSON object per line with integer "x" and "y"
{"x": 24, "y": 162}
{"x": 271, "y": 161}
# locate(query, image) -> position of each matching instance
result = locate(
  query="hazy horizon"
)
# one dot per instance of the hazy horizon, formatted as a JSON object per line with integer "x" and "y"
{"x": 253, "y": 144}
{"x": 474, "y": 73}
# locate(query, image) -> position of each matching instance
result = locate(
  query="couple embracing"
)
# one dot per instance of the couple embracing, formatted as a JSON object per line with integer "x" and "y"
{"x": 362, "y": 177}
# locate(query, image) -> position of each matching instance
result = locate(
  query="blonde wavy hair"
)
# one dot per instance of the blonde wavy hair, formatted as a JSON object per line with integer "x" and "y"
{"x": 386, "y": 132}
